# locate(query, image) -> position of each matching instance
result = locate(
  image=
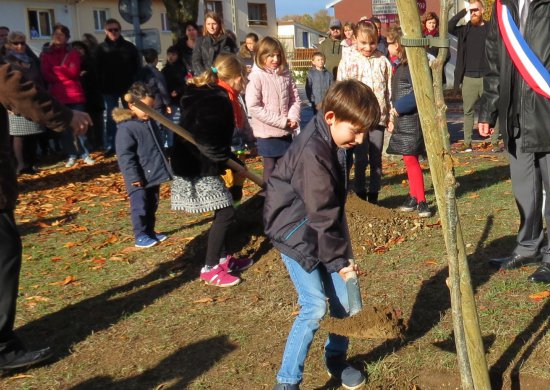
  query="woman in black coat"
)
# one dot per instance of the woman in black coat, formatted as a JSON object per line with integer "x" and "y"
{"x": 214, "y": 41}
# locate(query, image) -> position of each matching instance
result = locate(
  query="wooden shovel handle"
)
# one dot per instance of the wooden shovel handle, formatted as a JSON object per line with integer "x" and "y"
{"x": 189, "y": 137}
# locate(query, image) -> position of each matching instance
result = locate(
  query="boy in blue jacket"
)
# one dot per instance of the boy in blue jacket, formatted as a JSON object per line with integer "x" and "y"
{"x": 304, "y": 218}
{"x": 142, "y": 163}
{"x": 318, "y": 81}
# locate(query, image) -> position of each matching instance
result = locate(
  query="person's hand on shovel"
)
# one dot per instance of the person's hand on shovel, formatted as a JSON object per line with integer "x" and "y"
{"x": 350, "y": 271}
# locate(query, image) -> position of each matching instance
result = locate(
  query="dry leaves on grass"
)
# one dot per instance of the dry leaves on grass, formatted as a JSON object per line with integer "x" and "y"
{"x": 211, "y": 299}
{"x": 68, "y": 280}
{"x": 540, "y": 295}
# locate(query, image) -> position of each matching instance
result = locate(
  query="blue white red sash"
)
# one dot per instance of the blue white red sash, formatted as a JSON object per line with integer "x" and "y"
{"x": 527, "y": 63}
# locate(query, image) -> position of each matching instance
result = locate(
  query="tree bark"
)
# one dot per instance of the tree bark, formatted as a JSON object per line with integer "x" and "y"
{"x": 178, "y": 12}
{"x": 431, "y": 109}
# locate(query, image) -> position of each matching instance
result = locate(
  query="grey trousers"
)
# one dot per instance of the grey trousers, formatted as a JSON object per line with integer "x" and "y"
{"x": 530, "y": 173}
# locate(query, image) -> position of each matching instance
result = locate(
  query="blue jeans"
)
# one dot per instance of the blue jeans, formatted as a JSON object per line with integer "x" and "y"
{"x": 313, "y": 290}
{"x": 73, "y": 145}
{"x": 111, "y": 101}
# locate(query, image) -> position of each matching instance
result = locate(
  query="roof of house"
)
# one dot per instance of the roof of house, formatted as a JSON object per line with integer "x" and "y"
{"x": 332, "y": 3}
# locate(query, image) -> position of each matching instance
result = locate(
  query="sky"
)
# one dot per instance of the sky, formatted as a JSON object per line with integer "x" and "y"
{"x": 298, "y": 7}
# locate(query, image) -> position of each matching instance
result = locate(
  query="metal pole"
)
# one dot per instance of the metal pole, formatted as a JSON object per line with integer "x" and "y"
{"x": 136, "y": 24}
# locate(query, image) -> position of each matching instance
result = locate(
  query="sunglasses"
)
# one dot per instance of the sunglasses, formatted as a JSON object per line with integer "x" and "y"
{"x": 113, "y": 30}
{"x": 18, "y": 43}
{"x": 474, "y": 9}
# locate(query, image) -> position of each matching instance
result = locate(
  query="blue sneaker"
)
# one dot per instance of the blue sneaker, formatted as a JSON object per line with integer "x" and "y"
{"x": 160, "y": 237}
{"x": 144, "y": 241}
{"x": 350, "y": 377}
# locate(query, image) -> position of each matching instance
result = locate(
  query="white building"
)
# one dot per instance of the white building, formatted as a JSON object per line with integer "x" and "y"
{"x": 242, "y": 16}
{"x": 295, "y": 35}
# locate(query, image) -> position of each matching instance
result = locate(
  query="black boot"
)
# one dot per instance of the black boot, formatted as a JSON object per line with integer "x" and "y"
{"x": 372, "y": 197}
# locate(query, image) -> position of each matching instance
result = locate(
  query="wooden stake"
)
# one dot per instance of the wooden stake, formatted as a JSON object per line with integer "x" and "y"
{"x": 431, "y": 109}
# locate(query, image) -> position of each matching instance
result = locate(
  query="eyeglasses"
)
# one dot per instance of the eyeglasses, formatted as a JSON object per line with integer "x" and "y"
{"x": 18, "y": 43}
{"x": 474, "y": 9}
{"x": 113, "y": 30}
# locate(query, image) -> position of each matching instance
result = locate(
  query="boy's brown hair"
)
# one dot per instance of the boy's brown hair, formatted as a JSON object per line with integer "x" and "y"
{"x": 318, "y": 54}
{"x": 353, "y": 102}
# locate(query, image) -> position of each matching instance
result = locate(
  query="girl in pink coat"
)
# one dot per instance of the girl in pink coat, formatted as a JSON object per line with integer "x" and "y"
{"x": 273, "y": 103}
{"x": 60, "y": 67}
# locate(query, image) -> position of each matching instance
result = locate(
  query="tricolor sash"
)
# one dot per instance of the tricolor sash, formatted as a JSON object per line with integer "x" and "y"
{"x": 527, "y": 63}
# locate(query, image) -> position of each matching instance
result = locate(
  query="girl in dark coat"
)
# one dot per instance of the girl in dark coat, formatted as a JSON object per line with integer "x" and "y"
{"x": 214, "y": 41}
{"x": 209, "y": 114}
{"x": 404, "y": 126}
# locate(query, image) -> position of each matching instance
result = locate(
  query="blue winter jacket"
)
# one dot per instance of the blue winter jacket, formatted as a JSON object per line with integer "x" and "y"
{"x": 139, "y": 152}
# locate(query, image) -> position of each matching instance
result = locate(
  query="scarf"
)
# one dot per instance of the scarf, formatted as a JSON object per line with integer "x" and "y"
{"x": 234, "y": 99}
{"x": 21, "y": 57}
{"x": 525, "y": 60}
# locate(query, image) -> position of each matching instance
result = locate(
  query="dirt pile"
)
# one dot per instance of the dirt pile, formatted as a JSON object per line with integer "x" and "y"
{"x": 374, "y": 229}
{"x": 370, "y": 323}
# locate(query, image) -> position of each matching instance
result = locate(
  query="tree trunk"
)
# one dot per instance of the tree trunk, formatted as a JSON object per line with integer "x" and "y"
{"x": 178, "y": 12}
{"x": 431, "y": 109}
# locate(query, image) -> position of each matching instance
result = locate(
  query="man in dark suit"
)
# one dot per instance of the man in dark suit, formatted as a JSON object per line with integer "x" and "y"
{"x": 522, "y": 104}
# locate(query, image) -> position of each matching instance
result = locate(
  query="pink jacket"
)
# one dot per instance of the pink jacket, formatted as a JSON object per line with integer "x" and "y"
{"x": 60, "y": 66}
{"x": 271, "y": 99}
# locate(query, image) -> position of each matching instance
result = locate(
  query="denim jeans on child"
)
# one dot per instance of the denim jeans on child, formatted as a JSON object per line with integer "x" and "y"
{"x": 313, "y": 290}
{"x": 143, "y": 204}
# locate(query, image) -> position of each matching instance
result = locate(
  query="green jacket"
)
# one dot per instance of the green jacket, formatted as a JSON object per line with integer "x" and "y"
{"x": 333, "y": 53}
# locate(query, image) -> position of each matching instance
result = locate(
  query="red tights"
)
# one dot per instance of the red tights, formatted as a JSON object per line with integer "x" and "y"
{"x": 416, "y": 180}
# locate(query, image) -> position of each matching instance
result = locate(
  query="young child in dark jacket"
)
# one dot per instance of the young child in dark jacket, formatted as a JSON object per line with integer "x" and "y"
{"x": 142, "y": 163}
{"x": 304, "y": 218}
{"x": 318, "y": 81}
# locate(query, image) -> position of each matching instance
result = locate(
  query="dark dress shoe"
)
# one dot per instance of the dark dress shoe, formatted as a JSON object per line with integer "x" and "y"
{"x": 515, "y": 261}
{"x": 542, "y": 274}
{"x": 23, "y": 358}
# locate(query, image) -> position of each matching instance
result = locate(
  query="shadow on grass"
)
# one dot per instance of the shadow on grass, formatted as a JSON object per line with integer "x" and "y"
{"x": 177, "y": 371}
{"x": 76, "y": 322}
{"x": 61, "y": 178}
{"x": 34, "y": 226}
{"x": 540, "y": 325}
{"x": 433, "y": 298}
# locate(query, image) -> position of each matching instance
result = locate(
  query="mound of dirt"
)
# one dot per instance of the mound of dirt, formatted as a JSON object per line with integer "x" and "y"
{"x": 374, "y": 229}
{"x": 370, "y": 323}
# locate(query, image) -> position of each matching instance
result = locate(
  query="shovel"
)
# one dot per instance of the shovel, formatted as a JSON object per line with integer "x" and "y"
{"x": 364, "y": 322}
{"x": 231, "y": 164}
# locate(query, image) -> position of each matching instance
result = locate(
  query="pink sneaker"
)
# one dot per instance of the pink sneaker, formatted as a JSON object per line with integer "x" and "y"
{"x": 232, "y": 264}
{"x": 218, "y": 276}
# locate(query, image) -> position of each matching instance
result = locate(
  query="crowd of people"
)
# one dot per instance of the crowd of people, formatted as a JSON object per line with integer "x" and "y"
{"x": 234, "y": 98}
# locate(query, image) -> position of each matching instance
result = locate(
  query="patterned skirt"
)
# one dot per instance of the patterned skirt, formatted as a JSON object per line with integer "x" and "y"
{"x": 20, "y": 126}
{"x": 200, "y": 194}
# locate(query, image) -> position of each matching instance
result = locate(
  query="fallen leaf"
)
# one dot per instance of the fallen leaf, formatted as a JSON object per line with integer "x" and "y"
{"x": 473, "y": 196}
{"x": 20, "y": 376}
{"x": 56, "y": 259}
{"x": 430, "y": 262}
{"x": 37, "y": 298}
{"x": 70, "y": 245}
{"x": 204, "y": 300}
{"x": 540, "y": 295}
{"x": 68, "y": 280}
{"x": 99, "y": 261}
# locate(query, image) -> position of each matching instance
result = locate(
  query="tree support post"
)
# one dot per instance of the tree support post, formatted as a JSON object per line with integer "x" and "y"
{"x": 431, "y": 109}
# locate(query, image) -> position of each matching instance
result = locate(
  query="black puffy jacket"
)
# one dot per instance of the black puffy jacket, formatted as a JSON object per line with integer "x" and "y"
{"x": 304, "y": 206}
{"x": 534, "y": 109}
{"x": 207, "y": 114}
{"x": 406, "y": 138}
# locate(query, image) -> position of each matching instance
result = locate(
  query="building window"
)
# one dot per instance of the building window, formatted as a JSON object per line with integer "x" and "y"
{"x": 305, "y": 39}
{"x": 40, "y": 23}
{"x": 257, "y": 14}
{"x": 100, "y": 17}
{"x": 215, "y": 6}
{"x": 164, "y": 24}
